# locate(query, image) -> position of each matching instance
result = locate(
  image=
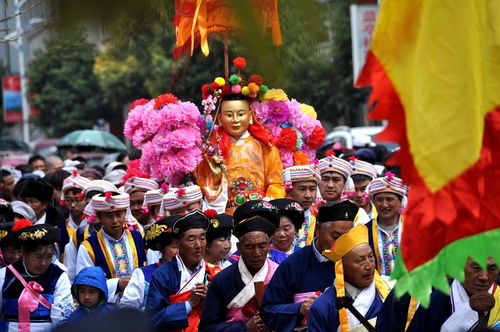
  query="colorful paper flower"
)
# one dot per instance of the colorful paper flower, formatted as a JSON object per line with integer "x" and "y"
{"x": 240, "y": 63}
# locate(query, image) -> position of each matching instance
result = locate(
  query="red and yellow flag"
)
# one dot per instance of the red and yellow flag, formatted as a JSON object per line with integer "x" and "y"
{"x": 195, "y": 20}
{"x": 434, "y": 66}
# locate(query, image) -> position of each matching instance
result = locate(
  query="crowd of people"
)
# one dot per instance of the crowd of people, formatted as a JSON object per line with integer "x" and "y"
{"x": 234, "y": 227}
{"x": 75, "y": 245}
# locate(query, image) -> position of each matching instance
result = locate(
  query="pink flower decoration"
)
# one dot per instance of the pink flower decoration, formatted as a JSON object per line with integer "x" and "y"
{"x": 236, "y": 89}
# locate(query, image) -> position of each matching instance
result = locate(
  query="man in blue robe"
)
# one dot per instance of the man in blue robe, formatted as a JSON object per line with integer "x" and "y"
{"x": 304, "y": 274}
{"x": 355, "y": 279}
{"x": 455, "y": 312}
{"x": 178, "y": 287}
{"x": 233, "y": 297}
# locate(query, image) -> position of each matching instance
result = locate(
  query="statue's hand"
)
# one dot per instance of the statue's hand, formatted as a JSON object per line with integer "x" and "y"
{"x": 214, "y": 163}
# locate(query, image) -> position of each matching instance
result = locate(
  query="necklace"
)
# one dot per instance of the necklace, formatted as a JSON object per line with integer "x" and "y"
{"x": 27, "y": 272}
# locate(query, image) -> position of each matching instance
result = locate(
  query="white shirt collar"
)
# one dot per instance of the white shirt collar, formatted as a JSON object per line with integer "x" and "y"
{"x": 110, "y": 238}
{"x": 41, "y": 220}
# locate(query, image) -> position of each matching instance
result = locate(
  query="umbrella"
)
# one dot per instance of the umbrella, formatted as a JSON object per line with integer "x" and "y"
{"x": 91, "y": 138}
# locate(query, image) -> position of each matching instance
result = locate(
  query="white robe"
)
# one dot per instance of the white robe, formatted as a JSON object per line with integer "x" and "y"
{"x": 463, "y": 317}
{"x": 134, "y": 294}
{"x": 60, "y": 311}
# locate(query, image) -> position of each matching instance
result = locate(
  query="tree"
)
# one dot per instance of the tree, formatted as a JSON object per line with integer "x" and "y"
{"x": 65, "y": 91}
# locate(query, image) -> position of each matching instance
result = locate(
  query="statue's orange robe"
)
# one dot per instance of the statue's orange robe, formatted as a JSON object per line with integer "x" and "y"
{"x": 252, "y": 168}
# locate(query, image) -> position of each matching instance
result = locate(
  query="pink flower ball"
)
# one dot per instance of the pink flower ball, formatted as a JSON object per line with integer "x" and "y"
{"x": 252, "y": 95}
{"x": 236, "y": 88}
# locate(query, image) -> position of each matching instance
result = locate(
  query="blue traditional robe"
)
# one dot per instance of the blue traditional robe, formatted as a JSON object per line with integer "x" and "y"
{"x": 223, "y": 289}
{"x": 324, "y": 315}
{"x": 301, "y": 272}
{"x": 394, "y": 314}
{"x": 165, "y": 282}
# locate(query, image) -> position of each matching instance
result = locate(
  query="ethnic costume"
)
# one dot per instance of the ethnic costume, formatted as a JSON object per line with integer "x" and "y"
{"x": 463, "y": 318}
{"x": 291, "y": 175}
{"x": 292, "y": 210}
{"x": 325, "y": 314}
{"x": 7, "y": 240}
{"x": 34, "y": 303}
{"x": 385, "y": 240}
{"x": 172, "y": 283}
{"x": 232, "y": 299}
{"x": 117, "y": 257}
{"x": 304, "y": 273}
{"x": 152, "y": 198}
{"x": 245, "y": 183}
{"x": 252, "y": 164}
{"x": 80, "y": 183}
{"x": 221, "y": 226}
{"x": 157, "y": 236}
{"x": 263, "y": 209}
{"x": 404, "y": 314}
{"x": 363, "y": 171}
{"x": 86, "y": 228}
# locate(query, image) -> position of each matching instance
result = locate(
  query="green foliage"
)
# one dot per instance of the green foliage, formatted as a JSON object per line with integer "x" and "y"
{"x": 65, "y": 91}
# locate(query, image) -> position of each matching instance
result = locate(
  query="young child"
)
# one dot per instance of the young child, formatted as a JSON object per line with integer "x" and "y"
{"x": 90, "y": 289}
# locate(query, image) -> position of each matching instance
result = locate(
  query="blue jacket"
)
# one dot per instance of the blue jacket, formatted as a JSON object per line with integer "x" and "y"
{"x": 90, "y": 276}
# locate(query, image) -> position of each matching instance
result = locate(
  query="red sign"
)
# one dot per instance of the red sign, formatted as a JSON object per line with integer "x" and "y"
{"x": 12, "y": 101}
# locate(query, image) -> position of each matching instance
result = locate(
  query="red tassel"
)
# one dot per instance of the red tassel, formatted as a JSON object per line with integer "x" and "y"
{"x": 20, "y": 224}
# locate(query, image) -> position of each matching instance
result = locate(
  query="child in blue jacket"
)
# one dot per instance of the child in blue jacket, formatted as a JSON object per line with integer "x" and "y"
{"x": 91, "y": 291}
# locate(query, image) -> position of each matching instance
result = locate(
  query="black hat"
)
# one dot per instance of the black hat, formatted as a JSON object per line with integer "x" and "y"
{"x": 159, "y": 234}
{"x": 42, "y": 233}
{"x": 219, "y": 226}
{"x": 195, "y": 219}
{"x": 256, "y": 207}
{"x": 254, "y": 224}
{"x": 345, "y": 210}
{"x": 6, "y": 211}
{"x": 37, "y": 188}
{"x": 292, "y": 209}
{"x": 6, "y": 235}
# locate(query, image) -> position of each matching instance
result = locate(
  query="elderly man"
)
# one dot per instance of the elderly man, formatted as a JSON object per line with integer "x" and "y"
{"x": 301, "y": 184}
{"x": 178, "y": 287}
{"x": 384, "y": 232}
{"x": 475, "y": 302}
{"x": 232, "y": 302}
{"x": 115, "y": 249}
{"x": 355, "y": 279}
{"x": 306, "y": 273}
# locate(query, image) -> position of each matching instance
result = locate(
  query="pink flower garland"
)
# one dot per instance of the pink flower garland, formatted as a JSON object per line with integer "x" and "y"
{"x": 169, "y": 138}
